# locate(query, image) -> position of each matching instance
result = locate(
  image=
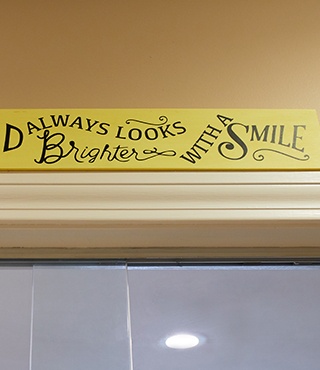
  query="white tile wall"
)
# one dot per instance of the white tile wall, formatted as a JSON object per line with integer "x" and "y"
{"x": 80, "y": 319}
{"x": 15, "y": 317}
{"x": 247, "y": 318}
{"x": 76, "y": 318}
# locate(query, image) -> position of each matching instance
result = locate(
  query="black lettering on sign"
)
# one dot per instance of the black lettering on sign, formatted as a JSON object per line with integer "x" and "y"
{"x": 12, "y": 134}
{"x": 255, "y": 135}
{"x": 230, "y": 146}
{"x": 204, "y": 142}
{"x": 277, "y": 135}
{"x": 60, "y": 119}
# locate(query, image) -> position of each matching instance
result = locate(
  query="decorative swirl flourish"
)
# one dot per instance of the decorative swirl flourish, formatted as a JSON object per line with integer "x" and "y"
{"x": 163, "y": 120}
{"x": 152, "y": 153}
{"x": 260, "y": 157}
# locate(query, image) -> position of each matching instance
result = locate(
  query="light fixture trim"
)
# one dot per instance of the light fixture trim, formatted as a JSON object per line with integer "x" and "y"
{"x": 182, "y": 341}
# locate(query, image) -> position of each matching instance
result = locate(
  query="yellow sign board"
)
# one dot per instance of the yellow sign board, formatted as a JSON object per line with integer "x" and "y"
{"x": 159, "y": 139}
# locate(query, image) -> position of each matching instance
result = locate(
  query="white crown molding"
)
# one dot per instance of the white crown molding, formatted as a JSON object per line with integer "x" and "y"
{"x": 160, "y": 214}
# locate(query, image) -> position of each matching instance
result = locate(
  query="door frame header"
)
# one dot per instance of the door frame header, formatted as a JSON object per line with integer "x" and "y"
{"x": 160, "y": 215}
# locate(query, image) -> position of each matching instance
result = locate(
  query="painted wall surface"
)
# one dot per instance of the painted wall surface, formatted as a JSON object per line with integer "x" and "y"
{"x": 154, "y": 54}
{"x": 180, "y": 53}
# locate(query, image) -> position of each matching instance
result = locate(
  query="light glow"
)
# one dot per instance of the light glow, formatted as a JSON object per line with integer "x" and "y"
{"x": 182, "y": 341}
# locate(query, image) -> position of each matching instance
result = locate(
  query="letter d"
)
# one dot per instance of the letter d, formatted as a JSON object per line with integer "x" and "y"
{"x": 9, "y": 129}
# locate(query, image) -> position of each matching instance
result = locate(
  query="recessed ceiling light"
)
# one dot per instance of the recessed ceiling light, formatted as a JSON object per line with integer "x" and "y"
{"x": 182, "y": 341}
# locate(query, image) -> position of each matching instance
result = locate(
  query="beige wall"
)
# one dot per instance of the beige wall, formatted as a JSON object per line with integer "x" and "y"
{"x": 169, "y": 53}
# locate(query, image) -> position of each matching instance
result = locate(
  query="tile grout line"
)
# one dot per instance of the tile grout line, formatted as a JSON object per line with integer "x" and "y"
{"x": 129, "y": 328}
{"x": 31, "y": 324}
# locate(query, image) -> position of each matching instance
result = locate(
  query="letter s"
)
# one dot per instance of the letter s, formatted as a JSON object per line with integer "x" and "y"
{"x": 230, "y": 146}
{"x": 103, "y": 128}
{"x": 181, "y": 129}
